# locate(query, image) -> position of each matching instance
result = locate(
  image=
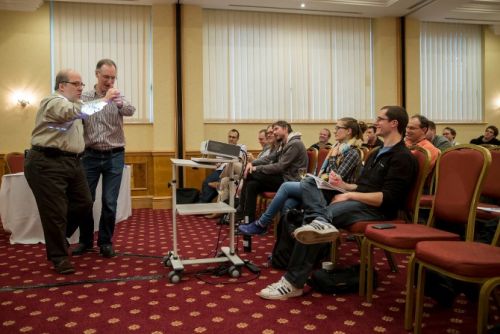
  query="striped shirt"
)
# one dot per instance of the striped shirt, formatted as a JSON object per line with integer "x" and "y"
{"x": 104, "y": 130}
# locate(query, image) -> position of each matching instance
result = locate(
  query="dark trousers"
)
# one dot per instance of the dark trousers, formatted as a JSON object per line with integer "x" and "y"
{"x": 62, "y": 196}
{"x": 254, "y": 184}
{"x": 110, "y": 166}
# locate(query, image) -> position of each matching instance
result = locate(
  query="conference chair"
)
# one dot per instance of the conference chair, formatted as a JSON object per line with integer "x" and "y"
{"x": 322, "y": 153}
{"x": 312, "y": 160}
{"x": 466, "y": 261}
{"x": 14, "y": 162}
{"x": 460, "y": 174}
{"x": 491, "y": 188}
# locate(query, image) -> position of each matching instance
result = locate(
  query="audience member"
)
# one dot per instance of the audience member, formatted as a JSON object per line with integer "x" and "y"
{"x": 268, "y": 173}
{"x": 262, "y": 138}
{"x": 379, "y": 193}
{"x": 416, "y": 131}
{"x": 324, "y": 137}
{"x": 53, "y": 168}
{"x": 210, "y": 184}
{"x": 489, "y": 137}
{"x": 450, "y": 134}
{"x": 438, "y": 141}
{"x": 343, "y": 159}
{"x": 104, "y": 155}
{"x": 370, "y": 138}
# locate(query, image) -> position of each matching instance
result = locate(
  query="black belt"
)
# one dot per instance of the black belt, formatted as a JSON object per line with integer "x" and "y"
{"x": 53, "y": 152}
{"x": 110, "y": 151}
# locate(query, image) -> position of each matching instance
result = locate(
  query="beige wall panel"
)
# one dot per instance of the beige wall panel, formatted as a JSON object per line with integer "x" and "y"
{"x": 387, "y": 64}
{"x": 25, "y": 66}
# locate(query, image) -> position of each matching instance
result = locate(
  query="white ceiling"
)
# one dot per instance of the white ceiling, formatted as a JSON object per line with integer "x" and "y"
{"x": 465, "y": 11}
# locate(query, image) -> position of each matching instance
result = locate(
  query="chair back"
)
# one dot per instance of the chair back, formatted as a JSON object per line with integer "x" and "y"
{"x": 312, "y": 160}
{"x": 460, "y": 175}
{"x": 14, "y": 162}
{"x": 322, "y": 153}
{"x": 413, "y": 201}
{"x": 491, "y": 186}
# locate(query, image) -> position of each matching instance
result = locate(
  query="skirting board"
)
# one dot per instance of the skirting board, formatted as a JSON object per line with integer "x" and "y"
{"x": 150, "y": 202}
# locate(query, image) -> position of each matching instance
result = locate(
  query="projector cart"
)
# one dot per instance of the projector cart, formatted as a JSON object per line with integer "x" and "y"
{"x": 172, "y": 259}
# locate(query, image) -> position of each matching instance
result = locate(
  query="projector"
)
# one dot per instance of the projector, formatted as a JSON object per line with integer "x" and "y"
{"x": 219, "y": 149}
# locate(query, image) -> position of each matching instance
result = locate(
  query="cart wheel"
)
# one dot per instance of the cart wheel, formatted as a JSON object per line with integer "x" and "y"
{"x": 167, "y": 262}
{"x": 234, "y": 271}
{"x": 174, "y": 277}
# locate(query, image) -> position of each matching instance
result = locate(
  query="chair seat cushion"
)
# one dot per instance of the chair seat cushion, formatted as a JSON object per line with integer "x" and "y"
{"x": 426, "y": 201}
{"x": 406, "y": 236}
{"x": 470, "y": 259}
{"x": 360, "y": 227}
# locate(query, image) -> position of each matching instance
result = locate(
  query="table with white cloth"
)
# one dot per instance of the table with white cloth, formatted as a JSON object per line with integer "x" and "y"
{"x": 20, "y": 215}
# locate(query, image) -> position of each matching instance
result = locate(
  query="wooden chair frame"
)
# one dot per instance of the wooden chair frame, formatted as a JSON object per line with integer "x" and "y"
{"x": 366, "y": 269}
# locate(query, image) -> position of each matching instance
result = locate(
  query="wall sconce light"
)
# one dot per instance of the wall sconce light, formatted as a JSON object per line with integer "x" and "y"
{"x": 22, "y": 98}
{"x": 23, "y": 103}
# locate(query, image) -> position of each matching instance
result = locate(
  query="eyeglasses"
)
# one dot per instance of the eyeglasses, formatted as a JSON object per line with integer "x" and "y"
{"x": 75, "y": 83}
{"x": 380, "y": 119}
{"x": 340, "y": 127}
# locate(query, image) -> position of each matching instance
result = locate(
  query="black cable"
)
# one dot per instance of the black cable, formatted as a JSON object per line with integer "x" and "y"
{"x": 104, "y": 280}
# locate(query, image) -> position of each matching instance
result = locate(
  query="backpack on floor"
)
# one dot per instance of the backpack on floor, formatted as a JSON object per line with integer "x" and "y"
{"x": 338, "y": 280}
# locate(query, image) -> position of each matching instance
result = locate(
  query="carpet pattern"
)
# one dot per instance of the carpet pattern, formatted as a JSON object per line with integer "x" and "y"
{"x": 136, "y": 296}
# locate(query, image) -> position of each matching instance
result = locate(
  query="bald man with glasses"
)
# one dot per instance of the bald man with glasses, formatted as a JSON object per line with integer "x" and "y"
{"x": 53, "y": 168}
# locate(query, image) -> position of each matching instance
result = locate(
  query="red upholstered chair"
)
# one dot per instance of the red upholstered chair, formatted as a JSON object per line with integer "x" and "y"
{"x": 460, "y": 174}
{"x": 312, "y": 160}
{"x": 491, "y": 186}
{"x": 322, "y": 153}
{"x": 14, "y": 162}
{"x": 411, "y": 209}
{"x": 463, "y": 260}
{"x": 263, "y": 201}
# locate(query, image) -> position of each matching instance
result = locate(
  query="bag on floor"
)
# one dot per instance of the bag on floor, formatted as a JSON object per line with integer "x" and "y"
{"x": 338, "y": 280}
{"x": 187, "y": 195}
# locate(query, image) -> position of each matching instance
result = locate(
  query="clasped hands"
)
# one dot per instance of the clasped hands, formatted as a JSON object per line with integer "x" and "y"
{"x": 113, "y": 95}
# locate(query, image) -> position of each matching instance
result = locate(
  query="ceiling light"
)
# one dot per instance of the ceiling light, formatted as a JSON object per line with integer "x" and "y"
{"x": 302, "y": 5}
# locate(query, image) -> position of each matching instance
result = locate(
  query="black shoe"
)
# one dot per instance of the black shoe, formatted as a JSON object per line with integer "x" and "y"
{"x": 64, "y": 267}
{"x": 80, "y": 249}
{"x": 107, "y": 251}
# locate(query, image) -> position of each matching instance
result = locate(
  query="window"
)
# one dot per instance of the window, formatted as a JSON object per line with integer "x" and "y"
{"x": 82, "y": 34}
{"x": 269, "y": 66}
{"x": 450, "y": 72}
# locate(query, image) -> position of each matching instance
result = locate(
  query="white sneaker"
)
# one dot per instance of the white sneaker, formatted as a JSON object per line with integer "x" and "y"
{"x": 316, "y": 232}
{"x": 280, "y": 290}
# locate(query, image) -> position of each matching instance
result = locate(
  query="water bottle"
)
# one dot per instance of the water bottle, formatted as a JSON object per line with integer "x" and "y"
{"x": 247, "y": 240}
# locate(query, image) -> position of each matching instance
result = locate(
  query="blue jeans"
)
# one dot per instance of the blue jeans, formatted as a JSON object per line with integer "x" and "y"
{"x": 110, "y": 166}
{"x": 340, "y": 214}
{"x": 289, "y": 196}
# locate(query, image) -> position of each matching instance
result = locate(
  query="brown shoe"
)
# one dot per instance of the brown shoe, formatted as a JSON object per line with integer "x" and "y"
{"x": 214, "y": 184}
{"x": 64, "y": 267}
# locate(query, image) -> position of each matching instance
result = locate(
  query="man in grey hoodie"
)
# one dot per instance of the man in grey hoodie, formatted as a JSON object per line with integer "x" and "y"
{"x": 268, "y": 173}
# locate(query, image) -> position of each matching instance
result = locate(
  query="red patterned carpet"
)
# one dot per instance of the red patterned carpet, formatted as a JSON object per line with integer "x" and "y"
{"x": 131, "y": 294}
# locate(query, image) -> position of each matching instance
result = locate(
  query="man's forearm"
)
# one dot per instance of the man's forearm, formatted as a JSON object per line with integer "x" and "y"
{"x": 374, "y": 199}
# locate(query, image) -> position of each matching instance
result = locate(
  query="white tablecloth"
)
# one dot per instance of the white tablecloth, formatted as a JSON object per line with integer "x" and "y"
{"x": 20, "y": 214}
